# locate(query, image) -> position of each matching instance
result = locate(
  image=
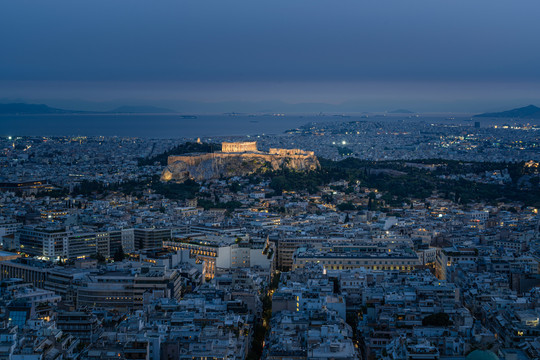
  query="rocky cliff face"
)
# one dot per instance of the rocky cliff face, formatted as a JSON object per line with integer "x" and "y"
{"x": 216, "y": 165}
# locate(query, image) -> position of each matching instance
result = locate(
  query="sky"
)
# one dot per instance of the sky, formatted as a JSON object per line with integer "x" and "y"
{"x": 358, "y": 54}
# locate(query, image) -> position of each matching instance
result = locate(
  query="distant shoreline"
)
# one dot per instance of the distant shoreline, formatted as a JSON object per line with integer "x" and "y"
{"x": 170, "y": 126}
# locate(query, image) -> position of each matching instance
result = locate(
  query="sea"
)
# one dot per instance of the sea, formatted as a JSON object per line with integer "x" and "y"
{"x": 169, "y": 126}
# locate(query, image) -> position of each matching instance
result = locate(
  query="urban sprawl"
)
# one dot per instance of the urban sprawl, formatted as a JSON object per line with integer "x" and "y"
{"x": 406, "y": 240}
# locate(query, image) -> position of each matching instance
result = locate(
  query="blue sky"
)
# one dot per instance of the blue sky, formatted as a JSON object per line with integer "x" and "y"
{"x": 393, "y": 52}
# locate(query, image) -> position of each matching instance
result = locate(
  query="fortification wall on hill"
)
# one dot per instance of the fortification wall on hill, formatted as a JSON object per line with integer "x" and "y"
{"x": 191, "y": 160}
{"x": 196, "y": 159}
{"x": 291, "y": 152}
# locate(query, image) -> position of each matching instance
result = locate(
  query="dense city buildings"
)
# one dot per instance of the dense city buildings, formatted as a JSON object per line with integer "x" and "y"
{"x": 269, "y": 180}
{"x": 423, "y": 247}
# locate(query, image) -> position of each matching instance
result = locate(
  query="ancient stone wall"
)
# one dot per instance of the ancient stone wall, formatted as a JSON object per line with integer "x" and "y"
{"x": 234, "y": 147}
{"x": 290, "y": 152}
{"x": 190, "y": 159}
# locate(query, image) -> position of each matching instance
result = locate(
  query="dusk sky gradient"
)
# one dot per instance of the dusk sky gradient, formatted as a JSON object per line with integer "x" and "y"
{"x": 385, "y": 53}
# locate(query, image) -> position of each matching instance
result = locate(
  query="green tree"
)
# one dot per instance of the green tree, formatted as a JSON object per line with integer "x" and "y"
{"x": 100, "y": 258}
{"x": 119, "y": 255}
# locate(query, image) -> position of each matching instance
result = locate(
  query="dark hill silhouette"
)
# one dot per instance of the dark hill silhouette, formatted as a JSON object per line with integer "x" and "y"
{"x": 21, "y": 108}
{"x": 42, "y": 109}
{"x": 527, "y": 112}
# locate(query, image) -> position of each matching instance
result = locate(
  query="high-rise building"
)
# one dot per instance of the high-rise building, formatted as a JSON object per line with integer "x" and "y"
{"x": 47, "y": 242}
{"x": 150, "y": 238}
{"x": 53, "y": 243}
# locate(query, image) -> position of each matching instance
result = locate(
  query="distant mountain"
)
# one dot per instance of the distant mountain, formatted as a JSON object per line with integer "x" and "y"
{"x": 527, "y": 112}
{"x": 401, "y": 111}
{"x": 21, "y": 108}
{"x": 39, "y": 109}
{"x": 141, "y": 110}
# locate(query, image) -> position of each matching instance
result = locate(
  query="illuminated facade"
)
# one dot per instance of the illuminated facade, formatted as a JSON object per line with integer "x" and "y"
{"x": 449, "y": 257}
{"x": 335, "y": 258}
{"x": 234, "y": 147}
{"x": 225, "y": 253}
{"x": 54, "y": 243}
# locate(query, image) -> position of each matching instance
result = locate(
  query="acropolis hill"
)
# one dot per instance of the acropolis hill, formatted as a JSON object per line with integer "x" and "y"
{"x": 236, "y": 159}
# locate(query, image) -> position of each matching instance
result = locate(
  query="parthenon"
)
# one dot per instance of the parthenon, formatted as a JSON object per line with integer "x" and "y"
{"x": 237, "y": 147}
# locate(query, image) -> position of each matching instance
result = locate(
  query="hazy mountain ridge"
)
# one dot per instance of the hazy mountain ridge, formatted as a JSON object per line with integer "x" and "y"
{"x": 241, "y": 107}
{"x": 526, "y": 112}
{"x": 42, "y": 109}
{"x": 22, "y": 108}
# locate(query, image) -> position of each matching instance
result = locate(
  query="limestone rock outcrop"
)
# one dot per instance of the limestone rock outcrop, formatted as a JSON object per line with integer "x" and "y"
{"x": 245, "y": 161}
